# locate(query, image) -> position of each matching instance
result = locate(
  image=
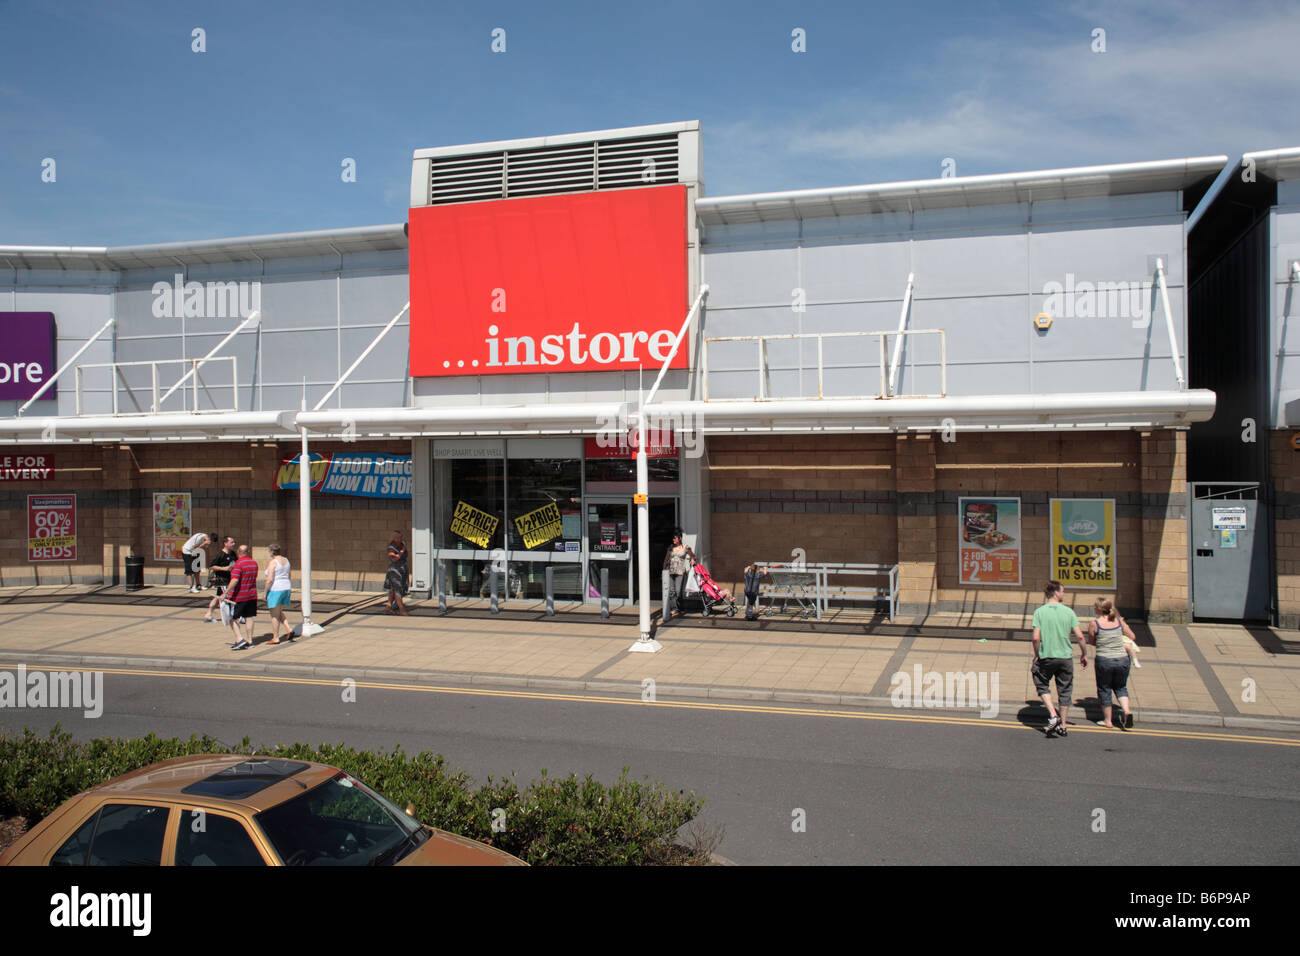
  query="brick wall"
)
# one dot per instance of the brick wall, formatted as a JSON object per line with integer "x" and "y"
{"x": 78, "y": 470}
{"x": 832, "y": 496}
{"x": 231, "y": 488}
{"x": 887, "y": 499}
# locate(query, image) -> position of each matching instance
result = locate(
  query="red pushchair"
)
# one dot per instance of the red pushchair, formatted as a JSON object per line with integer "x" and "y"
{"x": 710, "y": 593}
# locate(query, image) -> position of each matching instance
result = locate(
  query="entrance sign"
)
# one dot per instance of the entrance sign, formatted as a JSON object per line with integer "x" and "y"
{"x": 51, "y": 527}
{"x": 988, "y": 540}
{"x": 1083, "y": 542}
{"x": 540, "y": 526}
{"x": 171, "y": 524}
{"x": 572, "y": 283}
{"x": 473, "y": 525}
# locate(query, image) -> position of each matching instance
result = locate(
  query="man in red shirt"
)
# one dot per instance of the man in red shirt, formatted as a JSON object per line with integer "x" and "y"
{"x": 242, "y": 597}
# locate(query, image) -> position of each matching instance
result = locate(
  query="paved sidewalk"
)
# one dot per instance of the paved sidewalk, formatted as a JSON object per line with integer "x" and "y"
{"x": 1200, "y": 674}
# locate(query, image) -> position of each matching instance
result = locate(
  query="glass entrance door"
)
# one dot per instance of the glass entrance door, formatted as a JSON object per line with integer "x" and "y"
{"x": 609, "y": 547}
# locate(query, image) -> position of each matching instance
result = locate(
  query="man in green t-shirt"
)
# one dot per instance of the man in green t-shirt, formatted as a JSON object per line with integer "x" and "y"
{"x": 1055, "y": 626}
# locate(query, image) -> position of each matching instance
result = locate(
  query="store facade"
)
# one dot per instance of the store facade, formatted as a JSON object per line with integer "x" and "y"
{"x": 957, "y": 376}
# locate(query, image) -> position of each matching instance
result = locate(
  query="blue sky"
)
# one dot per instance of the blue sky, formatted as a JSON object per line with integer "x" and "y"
{"x": 155, "y": 143}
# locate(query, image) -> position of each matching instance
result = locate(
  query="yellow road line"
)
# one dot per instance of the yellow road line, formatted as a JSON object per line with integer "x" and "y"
{"x": 951, "y": 720}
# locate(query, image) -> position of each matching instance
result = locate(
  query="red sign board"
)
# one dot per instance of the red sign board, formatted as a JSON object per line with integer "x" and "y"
{"x": 584, "y": 282}
{"x": 663, "y": 444}
{"x": 26, "y": 467}
{"x": 51, "y": 527}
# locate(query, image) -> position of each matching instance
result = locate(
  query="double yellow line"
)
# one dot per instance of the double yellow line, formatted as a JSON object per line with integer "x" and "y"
{"x": 945, "y": 719}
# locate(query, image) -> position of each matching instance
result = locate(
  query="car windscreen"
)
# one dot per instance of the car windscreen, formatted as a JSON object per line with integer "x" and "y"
{"x": 342, "y": 822}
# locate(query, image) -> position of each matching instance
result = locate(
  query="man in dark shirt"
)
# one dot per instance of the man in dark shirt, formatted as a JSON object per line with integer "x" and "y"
{"x": 220, "y": 566}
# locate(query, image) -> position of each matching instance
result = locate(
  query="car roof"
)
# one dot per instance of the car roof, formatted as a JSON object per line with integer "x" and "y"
{"x": 168, "y": 779}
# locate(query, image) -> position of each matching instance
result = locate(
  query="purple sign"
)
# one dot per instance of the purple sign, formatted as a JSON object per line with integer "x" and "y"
{"x": 27, "y": 343}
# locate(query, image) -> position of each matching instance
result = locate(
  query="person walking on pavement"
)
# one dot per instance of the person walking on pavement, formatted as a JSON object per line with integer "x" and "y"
{"x": 278, "y": 589}
{"x": 1107, "y": 632}
{"x": 395, "y": 579}
{"x": 190, "y": 555}
{"x": 1055, "y": 628}
{"x": 242, "y": 597}
{"x": 678, "y": 562}
{"x": 220, "y": 576}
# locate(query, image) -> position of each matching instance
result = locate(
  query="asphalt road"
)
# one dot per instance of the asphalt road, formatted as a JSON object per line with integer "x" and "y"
{"x": 869, "y": 788}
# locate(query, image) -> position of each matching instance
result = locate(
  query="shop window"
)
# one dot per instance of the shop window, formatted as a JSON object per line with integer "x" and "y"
{"x": 545, "y": 505}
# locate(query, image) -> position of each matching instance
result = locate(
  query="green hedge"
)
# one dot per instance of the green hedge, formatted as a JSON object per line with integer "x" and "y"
{"x": 549, "y": 821}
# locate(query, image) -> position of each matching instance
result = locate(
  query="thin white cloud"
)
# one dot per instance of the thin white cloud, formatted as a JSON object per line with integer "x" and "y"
{"x": 1174, "y": 81}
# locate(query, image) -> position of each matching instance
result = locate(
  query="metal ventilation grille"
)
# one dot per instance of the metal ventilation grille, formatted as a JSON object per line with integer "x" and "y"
{"x": 583, "y": 167}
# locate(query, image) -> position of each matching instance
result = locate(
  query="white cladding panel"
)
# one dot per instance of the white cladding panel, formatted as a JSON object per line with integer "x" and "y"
{"x": 982, "y": 274}
{"x": 315, "y": 322}
{"x": 78, "y": 314}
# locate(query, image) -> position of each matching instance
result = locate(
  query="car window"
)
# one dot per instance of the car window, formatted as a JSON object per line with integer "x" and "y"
{"x": 339, "y": 823}
{"x": 209, "y": 839}
{"x": 128, "y": 835}
{"x": 73, "y": 852}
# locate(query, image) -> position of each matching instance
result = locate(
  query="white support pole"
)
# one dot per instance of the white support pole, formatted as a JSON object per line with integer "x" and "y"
{"x": 306, "y": 628}
{"x": 1169, "y": 324}
{"x": 902, "y": 325}
{"x": 646, "y": 644}
{"x": 360, "y": 358}
{"x": 55, "y": 377}
{"x": 253, "y": 317}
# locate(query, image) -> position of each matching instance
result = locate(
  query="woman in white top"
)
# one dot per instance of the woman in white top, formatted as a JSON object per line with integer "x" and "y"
{"x": 277, "y": 593}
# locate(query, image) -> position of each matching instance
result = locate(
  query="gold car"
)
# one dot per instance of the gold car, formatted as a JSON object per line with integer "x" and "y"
{"x": 234, "y": 810}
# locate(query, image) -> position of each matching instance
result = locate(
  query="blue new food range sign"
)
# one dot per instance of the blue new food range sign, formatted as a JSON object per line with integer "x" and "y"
{"x": 364, "y": 475}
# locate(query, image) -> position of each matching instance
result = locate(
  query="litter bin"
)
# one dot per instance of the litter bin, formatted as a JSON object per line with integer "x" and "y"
{"x": 134, "y": 573}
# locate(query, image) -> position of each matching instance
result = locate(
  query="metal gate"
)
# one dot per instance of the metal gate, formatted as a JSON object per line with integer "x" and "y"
{"x": 1229, "y": 551}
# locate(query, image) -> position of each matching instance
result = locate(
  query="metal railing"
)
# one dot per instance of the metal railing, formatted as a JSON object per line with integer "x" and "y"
{"x": 886, "y": 387}
{"x": 190, "y": 376}
{"x": 808, "y": 585}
